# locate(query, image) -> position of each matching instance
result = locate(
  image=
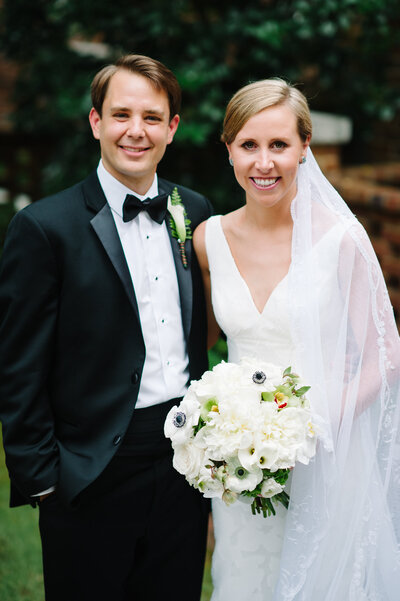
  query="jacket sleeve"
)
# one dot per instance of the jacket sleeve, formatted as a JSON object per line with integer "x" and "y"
{"x": 29, "y": 286}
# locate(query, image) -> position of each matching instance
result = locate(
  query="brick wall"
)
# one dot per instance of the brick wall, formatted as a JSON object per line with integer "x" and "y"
{"x": 385, "y": 141}
{"x": 373, "y": 194}
{"x": 8, "y": 76}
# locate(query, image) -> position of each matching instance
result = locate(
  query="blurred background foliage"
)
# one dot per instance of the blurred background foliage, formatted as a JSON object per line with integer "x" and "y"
{"x": 335, "y": 50}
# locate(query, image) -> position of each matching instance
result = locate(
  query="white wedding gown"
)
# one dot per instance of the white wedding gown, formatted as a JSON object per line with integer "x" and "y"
{"x": 247, "y": 548}
{"x": 246, "y": 558}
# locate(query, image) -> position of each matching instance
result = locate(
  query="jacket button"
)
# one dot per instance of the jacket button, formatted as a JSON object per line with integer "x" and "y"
{"x": 117, "y": 439}
{"x": 135, "y": 377}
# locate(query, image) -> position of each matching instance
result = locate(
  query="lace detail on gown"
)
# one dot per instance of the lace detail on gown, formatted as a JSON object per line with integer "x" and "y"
{"x": 246, "y": 558}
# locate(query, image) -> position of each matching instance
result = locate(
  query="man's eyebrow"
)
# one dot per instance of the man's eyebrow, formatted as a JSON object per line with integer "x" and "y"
{"x": 119, "y": 108}
{"x": 150, "y": 111}
{"x": 155, "y": 112}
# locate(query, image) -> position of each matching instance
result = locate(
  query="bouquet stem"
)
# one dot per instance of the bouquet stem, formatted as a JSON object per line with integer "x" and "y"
{"x": 265, "y": 506}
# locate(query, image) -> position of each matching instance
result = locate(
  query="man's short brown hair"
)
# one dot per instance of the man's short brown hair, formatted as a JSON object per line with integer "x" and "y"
{"x": 160, "y": 76}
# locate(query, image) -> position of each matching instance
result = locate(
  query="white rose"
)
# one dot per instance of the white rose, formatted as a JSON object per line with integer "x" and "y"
{"x": 188, "y": 460}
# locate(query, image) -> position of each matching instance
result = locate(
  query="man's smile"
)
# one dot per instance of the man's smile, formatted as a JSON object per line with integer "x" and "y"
{"x": 134, "y": 149}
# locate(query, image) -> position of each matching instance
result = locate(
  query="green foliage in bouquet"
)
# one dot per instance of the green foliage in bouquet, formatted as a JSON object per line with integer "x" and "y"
{"x": 264, "y": 505}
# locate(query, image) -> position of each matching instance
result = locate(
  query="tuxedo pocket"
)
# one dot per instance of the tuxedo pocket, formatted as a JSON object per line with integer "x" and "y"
{"x": 61, "y": 423}
{"x": 49, "y": 500}
{"x": 67, "y": 431}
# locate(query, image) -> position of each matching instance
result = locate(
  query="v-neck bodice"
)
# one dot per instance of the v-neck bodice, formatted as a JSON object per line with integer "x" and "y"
{"x": 249, "y": 332}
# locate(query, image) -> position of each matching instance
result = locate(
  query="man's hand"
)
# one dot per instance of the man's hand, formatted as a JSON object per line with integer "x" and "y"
{"x": 43, "y": 497}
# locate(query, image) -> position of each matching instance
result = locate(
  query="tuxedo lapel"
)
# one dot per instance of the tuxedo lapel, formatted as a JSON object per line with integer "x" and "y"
{"x": 184, "y": 275}
{"x": 104, "y": 226}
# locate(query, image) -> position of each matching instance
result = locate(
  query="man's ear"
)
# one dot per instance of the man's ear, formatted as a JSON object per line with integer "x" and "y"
{"x": 95, "y": 121}
{"x": 172, "y": 127}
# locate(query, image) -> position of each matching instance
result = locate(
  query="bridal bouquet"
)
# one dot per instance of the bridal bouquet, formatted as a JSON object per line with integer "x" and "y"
{"x": 239, "y": 430}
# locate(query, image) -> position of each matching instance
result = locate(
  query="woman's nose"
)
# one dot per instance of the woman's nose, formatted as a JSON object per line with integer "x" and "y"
{"x": 264, "y": 161}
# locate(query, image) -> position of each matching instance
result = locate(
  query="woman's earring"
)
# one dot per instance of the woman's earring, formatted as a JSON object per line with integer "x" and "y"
{"x": 303, "y": 160}
{"x": 231, "y": 161}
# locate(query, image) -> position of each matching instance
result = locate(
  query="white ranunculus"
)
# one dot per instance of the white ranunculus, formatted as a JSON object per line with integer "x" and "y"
{"x": 270, "y": 488}
{"x": 181, "y": 419}
{"x": 188, "y": 460}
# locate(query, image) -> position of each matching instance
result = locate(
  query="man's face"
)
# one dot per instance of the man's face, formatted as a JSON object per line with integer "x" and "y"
{"x": 134, "y": 129}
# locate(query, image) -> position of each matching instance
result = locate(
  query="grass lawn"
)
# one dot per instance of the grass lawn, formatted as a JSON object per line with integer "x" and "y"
{"x": 20, "y": 552}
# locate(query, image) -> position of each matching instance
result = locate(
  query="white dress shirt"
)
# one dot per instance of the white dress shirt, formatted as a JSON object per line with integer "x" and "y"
{"x": 147, "y": 248}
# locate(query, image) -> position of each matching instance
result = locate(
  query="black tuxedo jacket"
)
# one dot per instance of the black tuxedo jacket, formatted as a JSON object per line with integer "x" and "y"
{"x": 71, "y": 345}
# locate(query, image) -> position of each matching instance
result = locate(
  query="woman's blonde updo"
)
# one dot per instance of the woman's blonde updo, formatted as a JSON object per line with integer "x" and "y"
{"x": 257, "y": 96}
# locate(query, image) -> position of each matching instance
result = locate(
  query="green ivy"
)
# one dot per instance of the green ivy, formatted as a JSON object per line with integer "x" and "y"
{"x": 336, "y": 50}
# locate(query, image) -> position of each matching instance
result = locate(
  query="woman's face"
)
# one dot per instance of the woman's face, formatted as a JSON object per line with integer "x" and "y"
{"x": 266, "y": 154}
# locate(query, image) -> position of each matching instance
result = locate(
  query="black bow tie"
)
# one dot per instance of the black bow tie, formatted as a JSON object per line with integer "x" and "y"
{"x": 156, "y": 207}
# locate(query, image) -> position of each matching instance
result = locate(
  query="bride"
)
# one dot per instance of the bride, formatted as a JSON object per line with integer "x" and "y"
{"x": 291, "y": 278}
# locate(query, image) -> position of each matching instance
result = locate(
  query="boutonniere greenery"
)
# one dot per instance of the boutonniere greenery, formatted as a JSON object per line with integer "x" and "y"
{"x": 179, "y": 223}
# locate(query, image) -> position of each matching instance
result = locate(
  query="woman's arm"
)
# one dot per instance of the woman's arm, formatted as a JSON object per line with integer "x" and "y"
{"x": 199, "y": 244}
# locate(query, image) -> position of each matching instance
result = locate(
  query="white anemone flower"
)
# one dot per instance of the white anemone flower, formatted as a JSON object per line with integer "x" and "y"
{"x": 181, "y": 419}
{"x": 272, "y": 373}
{"x": 239, "y": 479}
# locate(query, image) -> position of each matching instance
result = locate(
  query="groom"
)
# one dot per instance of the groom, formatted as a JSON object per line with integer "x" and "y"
{"x": 102, "y": 325}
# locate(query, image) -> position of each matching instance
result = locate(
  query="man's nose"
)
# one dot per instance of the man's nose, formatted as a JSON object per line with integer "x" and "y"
{"x": 136, "y": 128}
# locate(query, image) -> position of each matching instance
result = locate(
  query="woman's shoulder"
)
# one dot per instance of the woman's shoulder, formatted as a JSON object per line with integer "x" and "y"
{"x": 201, "y": 228}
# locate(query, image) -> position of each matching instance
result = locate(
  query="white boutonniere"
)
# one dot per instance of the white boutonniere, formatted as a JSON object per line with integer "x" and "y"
{"x": 179, "y": 222}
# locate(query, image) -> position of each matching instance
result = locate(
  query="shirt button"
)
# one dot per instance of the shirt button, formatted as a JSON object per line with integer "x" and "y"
{"x": 117, "y": 439}
{"x": 156, "y": 278}
{"x": 147, "y": 237}
{"x": 163, "y": 321}
{"x": 135, "y": 377}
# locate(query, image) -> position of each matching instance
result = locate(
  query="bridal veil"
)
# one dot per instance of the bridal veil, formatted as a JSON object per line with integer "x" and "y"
{"x": 342, "y": 540}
